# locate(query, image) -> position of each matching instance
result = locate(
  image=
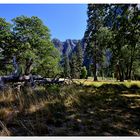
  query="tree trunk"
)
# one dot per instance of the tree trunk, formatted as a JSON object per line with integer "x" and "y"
{"x": 95, "y": 61}
{"x": 121, "y": 72}
{"x": 131, "y": 61}
{"x": 95, "y": 72}
{"x": 28, "y": 67}
{"x": 130, "y": 68}
{"x": 126, "y": 74}
{"x": 129, "y": 75}
{"x": 122, "y": 76}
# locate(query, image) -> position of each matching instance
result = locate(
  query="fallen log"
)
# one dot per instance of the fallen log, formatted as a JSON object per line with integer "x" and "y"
{"x": 27, "y": 78}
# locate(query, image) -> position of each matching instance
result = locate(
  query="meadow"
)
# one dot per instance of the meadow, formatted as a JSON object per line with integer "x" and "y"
{"x": 83, "y": 108}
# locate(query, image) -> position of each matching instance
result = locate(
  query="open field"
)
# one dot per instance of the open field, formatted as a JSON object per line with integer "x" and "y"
{"x": 88, "y": 109}
{"x": 90, "y": 82}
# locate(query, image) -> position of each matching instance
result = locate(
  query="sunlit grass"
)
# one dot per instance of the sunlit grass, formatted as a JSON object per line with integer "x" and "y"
{"x": 90, "y": 82}
{"x": 131, "y": 95}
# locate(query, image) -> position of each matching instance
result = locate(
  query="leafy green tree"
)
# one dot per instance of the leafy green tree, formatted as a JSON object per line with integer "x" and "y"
{"x": 104, "y": 35}
{"x": 133, "y": 37}
{"x": 125, "y": 27}
{"x": 33, "y": 41}
{"x": 5, "y": 45}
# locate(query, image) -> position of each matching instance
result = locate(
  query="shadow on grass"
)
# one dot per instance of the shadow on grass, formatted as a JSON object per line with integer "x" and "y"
{"x": 109, "y": 112}
{"x": 80, "y": 110}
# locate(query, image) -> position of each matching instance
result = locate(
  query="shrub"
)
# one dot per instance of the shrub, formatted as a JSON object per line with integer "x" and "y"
{"x": 83, "y": 73}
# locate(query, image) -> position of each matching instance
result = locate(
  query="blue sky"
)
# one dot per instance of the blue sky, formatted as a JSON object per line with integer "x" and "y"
{"x": 65, "y": 21}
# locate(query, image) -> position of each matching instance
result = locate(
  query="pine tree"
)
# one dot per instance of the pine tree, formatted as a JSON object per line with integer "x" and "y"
{"x": 79, "y": 55}
{"x": 95, "y": 21}
{"x": 66, "y": 66}
{"x": 73, "y": 65}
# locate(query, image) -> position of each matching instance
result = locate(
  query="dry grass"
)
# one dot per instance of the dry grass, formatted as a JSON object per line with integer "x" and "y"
{"x": 93, "y": 108}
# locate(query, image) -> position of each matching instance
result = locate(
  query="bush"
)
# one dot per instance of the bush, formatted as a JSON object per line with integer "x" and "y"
{"x": 83, "y": 73}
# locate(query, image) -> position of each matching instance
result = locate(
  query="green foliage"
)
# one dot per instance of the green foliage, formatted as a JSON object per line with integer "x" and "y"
{"x": 125, "y": 38}
{"x": 30, "y": 39}
{"x": 83, "y": 73}
{"x": 5, "y": 44}
{"x": 76, "y": 61}
{"x": 66, "y": 66}
{"x": 49, "y": 65}
{"x": 79, "y": 55}
{"x": 94, "y": 49}
{"x": 114, "y": 27}
{"x": 104, "y": 35}
{"x": 73, "y": 65}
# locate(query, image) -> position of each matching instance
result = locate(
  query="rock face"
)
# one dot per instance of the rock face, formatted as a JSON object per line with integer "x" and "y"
{"x": 68, "y": 46}
{"x": 58, "y": 44}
